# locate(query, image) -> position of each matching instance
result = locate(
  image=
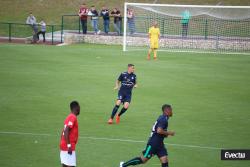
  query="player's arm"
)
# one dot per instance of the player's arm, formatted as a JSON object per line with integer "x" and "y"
{"x": 159, "y": 34}
{"x": 149, "y": 35}
{"x": 66, "y": 136}
{"x": 117, "y": 84}
{"x": 136, "y": 85}
{"x": 164, "y": 132}
{"x": 118, "y": 81}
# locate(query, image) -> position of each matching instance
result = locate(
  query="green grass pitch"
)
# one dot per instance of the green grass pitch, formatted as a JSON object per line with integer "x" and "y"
{"x": 210, "y": 95}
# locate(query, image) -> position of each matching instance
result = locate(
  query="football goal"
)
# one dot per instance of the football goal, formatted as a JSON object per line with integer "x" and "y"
{"x": 194, "y": 28}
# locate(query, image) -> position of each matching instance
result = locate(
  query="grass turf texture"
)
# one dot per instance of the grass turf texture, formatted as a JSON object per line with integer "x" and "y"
{"x": 210, "y": 95}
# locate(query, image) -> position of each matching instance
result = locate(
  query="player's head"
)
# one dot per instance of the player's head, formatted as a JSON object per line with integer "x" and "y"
{"x": 167, "y": 110}
{"x": 155, "y": 24}
{"x": 84, "y": 5}
{"x": 93, "y": 7}
{"x": 115, "y": 9}
{"x": 131, "y": 68}
{"x": 75, "y": 107}
{"x": 31, "y": 14}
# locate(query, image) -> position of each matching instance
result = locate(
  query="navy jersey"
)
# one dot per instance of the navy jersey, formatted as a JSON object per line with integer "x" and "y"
{"x": 127, "y": 81}
{"x": 162, "y": 122}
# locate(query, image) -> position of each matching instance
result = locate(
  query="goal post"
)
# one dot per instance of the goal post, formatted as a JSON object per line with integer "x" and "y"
{"x": 196, "y": 28}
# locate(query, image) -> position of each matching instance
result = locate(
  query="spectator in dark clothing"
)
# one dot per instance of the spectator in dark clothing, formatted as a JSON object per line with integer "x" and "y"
{"x": 105, "y": 15}
{"x": 117, "y": 20}
{"x": 83, "y": 14}
{"x": 131, "y": 21}
{"x": 42, "y": 31}
{"x": 94, "y": 19}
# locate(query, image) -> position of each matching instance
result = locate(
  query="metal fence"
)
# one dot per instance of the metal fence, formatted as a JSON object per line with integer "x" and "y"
{"x": 12, "y": 31}
{"x": 72, "y": 23}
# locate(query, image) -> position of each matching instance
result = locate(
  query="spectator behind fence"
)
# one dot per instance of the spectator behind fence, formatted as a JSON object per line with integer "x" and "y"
{"x": 83, "y": 14}
{"x": 105, "y": 15}
{"x": 31, "y": 20}
{"x": 131, "y": 21}
{"x": 184, "y": 21}
{"x": 42, "y": 31}
{"x": 117, "y": 20}
{"x": 94, "y": 19}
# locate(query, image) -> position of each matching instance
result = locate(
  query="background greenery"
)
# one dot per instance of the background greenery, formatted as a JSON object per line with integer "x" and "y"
{"x": 51, "y": 10}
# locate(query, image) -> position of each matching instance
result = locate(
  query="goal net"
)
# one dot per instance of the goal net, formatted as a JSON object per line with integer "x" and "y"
{"x": 188, "y": 27}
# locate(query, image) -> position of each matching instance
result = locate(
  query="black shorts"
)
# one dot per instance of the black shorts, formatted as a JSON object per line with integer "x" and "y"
{"x": 152, "y": 150}
{"x": 124, "y": 97}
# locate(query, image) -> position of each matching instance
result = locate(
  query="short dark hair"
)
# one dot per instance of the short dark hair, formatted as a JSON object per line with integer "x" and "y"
{"x": 164, "y": 106}
{"x": 131, "y": 65}
{"x": 73, "y": 105}
{"x": 92, "y": 6}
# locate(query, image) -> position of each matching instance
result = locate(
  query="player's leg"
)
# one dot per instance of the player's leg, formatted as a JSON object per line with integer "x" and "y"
{"x": 151, "y": 49}
{"x": 163, "y": 156}
{"x": 127, "y": 100}
{"x": 134, "y": 161}
{"x": 123, "y": 110}
{"x": 146, "y": 155}
{"x": 125, "y": 107}
{"x": 114, "y": 111}
{"x": 156, "y": 45}
{"x": 164, "y": 161}
{"x": 155, "y": 54}
{"x": 149, "y": 53}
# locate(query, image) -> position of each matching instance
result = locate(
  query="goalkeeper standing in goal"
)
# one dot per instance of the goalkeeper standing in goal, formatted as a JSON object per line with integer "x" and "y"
{"x": 154, "y": 35}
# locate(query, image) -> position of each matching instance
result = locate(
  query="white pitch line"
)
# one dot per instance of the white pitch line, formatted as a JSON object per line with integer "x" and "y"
{"x": 109, "y": 139}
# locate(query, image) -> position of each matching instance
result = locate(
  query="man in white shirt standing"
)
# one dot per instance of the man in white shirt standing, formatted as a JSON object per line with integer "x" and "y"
{"x": 31, "y": 20}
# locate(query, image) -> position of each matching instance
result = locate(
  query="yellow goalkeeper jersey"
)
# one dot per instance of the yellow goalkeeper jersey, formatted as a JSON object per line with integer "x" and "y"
{"x": 154, "y": 33}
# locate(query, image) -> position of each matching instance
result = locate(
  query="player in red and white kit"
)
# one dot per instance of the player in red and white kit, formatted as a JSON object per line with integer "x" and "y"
{"x": 69, "y": 137}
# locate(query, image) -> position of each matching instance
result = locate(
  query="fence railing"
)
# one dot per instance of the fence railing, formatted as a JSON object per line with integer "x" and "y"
{"x": 198, "y": 27}
{"x": 15, "y": 30}
{"x": 73, "y": 22}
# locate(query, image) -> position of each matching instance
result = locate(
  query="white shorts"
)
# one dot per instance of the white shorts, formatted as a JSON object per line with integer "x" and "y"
{"x": 67, "y": 159}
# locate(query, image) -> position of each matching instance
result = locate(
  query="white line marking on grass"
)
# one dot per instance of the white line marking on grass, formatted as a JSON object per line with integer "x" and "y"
{"x": 109, "y": 139}
{"x": 62, "y": 44}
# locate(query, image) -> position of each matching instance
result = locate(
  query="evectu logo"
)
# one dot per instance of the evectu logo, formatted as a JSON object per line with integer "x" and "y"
{"x": 235, "y": 154}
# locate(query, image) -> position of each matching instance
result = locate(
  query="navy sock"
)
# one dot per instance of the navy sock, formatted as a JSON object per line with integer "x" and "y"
{"x": 122, "y": 111}
{"x": 114, "y": 111}
{"x": 135, "y": 161}
{"x": 164, "y": 164}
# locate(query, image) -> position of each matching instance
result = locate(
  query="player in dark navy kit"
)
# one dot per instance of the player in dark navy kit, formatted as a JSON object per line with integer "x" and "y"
{"x": 126, "y": 81}
{"x": 155, "y": 144}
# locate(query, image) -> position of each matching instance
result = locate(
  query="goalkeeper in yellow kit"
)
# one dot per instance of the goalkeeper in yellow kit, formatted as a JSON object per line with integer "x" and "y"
{"x": 154, "y": 35}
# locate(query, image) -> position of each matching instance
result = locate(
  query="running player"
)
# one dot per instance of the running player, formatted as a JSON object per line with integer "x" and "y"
{"x": 155, "y": 144}
{"x": 154, "y": 35}
{"x": 69, "y": 137}
{"x": 126, "y": 81}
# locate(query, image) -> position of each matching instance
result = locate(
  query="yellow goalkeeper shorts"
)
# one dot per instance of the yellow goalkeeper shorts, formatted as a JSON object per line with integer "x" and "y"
{"x": 154, "y": 43}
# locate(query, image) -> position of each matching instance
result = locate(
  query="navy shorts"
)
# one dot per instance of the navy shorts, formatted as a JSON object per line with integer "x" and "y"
{"x": 152, "y": 150}
{"x": 124, "y": 97}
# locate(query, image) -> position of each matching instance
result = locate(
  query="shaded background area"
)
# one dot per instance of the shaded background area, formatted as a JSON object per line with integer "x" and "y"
{"x": 51, "y": 11}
